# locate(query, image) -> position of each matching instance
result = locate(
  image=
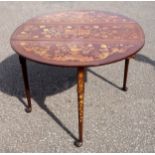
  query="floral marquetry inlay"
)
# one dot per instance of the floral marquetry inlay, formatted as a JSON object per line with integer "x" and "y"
{"x": 78, "y": 38}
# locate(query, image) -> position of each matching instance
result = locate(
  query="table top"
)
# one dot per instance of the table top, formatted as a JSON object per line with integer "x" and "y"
{"x": 78, "y": 38}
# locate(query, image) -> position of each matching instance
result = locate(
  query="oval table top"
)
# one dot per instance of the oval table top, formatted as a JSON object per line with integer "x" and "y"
{"x": 78, "y": 38}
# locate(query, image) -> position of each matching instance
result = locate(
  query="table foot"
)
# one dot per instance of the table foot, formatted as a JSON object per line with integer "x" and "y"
{"x": 78, "y": 143}
{"x": 28, "y": 109}
{"x": 125, "y": 89}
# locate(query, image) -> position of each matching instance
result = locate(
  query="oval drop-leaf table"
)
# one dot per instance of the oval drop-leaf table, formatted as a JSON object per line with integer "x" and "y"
{"x": 77, "y": 39}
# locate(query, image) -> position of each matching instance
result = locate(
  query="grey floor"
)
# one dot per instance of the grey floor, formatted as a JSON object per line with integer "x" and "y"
{"x": 115, "y": 121}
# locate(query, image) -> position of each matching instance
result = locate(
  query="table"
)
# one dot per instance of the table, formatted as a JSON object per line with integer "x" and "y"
{"x": 77, "y": 39}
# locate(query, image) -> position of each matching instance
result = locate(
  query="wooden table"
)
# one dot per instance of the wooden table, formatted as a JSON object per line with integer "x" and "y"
{"x": 77, "y": 39}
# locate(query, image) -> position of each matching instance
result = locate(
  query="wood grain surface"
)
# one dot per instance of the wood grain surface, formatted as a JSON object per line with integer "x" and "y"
{"x": 78, "y": 38}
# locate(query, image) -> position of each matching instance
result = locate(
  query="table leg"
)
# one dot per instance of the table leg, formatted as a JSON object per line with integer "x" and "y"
{"x": 26, "y": 82}
{"x": 125, "y": 74}
{"x": 80, "y": 91}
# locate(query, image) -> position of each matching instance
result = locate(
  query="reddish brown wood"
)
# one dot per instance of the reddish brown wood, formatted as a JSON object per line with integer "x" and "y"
{"x": 26, "y": 82}
{"x": 80, "y": 90}
{"x": 78, "y": 38}
{"x": 125, "y": 74}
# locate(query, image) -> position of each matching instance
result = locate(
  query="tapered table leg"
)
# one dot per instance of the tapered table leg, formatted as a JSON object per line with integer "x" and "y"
{"x": 80, "y": 91}
{"x": 26, "y": 82}
{"x": 125, "y": 74}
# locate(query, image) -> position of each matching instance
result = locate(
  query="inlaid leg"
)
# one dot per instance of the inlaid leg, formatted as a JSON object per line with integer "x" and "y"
{"x": 26, "y": 82}
{"x": 125, "y": 74}
{"x": 80, "y": 91}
